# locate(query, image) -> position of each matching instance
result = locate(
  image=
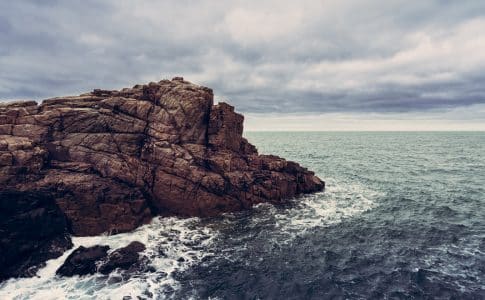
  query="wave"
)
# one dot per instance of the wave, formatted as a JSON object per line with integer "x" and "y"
{"x": 339, "y": 202}
{"x": 174, "y": 245}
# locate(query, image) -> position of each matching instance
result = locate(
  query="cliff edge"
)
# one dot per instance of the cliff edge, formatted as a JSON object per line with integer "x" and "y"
{"x": 111, "y": 160}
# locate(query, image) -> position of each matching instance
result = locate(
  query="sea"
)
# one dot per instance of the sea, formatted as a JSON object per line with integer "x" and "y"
{"x": 402, "y": 217}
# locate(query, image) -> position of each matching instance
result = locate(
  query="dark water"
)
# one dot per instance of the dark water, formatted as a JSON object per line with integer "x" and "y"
{"x": 403, "y": 217}
{"x": 408, "y": 222}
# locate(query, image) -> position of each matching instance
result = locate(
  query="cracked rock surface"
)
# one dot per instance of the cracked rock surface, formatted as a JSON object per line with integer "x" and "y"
{"x": 113, "y": 159}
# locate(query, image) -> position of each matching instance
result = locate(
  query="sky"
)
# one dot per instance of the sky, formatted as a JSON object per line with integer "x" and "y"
{"x": 286, "y": 65}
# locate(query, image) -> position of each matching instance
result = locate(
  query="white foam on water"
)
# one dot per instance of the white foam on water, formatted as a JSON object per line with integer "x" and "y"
{"x": 338, "y": 202}
{"x": 167, "y": 240}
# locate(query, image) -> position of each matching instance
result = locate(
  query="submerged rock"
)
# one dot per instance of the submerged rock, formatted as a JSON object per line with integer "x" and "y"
{"x": 113, "y": 159}
{"x": 126, "y": 258}
{"x": 83, "y": 261}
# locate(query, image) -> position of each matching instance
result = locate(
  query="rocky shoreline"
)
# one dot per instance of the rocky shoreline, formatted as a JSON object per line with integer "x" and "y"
{"x": 108, "y": 161}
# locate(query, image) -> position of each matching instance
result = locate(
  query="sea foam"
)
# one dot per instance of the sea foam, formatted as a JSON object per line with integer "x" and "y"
{"x": 172, "y": 245}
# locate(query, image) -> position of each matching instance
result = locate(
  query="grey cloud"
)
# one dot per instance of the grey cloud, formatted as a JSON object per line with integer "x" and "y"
{"x": 265, "y": 56}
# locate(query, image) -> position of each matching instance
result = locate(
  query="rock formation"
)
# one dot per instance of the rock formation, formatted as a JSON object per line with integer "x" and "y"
{"x": 32, "y": 230}
{"x": 110, "y": 160}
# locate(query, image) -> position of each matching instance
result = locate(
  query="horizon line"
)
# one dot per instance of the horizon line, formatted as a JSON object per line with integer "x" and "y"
{"x": 480, "y": 130}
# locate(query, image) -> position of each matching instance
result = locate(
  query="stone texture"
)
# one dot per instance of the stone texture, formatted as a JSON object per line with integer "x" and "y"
{"x": 32, "y": 230}
{"x": 113, "y": 159}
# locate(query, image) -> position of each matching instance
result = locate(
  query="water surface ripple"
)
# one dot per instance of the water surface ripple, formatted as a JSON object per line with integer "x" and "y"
{"x": 402, "y": 218}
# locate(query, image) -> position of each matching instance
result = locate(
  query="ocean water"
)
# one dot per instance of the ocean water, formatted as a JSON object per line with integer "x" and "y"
{"x": 402, "y": 217}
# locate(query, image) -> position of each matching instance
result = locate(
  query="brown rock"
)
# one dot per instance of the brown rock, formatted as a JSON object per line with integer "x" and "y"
{"x": 113, "y": 159}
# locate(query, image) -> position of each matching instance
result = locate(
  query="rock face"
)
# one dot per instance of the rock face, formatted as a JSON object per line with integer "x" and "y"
{"x": 113, "y": 159}
{"x": 32, "y": 230}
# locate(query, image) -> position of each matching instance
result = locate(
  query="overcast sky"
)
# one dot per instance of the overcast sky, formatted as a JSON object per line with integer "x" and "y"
{"x": 296, "y": 65}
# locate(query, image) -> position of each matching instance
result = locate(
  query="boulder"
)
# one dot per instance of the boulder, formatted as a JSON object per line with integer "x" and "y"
{"x": 126, "y": 258}
{"x": 83, "y": 261}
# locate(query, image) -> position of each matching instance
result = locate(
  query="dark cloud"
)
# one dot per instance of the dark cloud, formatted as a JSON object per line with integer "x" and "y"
{"x": 265, "y": 56}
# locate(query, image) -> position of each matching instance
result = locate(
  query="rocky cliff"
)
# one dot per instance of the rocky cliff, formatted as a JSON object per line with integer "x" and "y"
{"x": 110, "y": 160}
